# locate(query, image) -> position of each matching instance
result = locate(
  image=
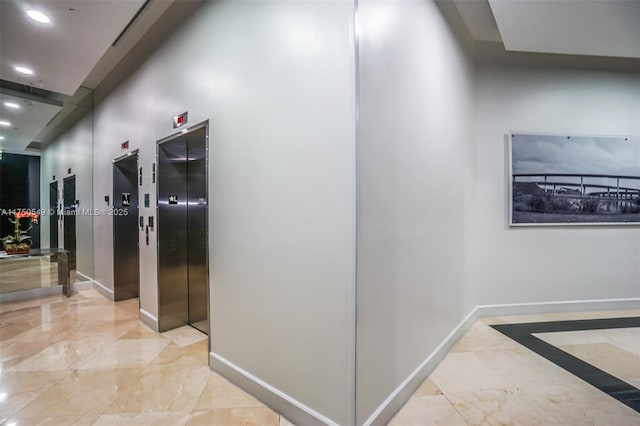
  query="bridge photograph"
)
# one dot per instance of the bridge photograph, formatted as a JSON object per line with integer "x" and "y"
{"x": 560, "y": 180}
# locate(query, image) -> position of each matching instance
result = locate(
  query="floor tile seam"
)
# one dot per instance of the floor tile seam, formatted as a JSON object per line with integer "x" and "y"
{"x": 525, "y": 328}
{"x": 567, "y": 350}
{"x": 603, "y": 372}
{"x": 36, "y": 370}
{"x": 629, "y": 324}
{"x": 489, "y": 409}
{"x": 27, "y": 402}
{"x": 47, "y": 418}
{"x": 567, "y": 359}
{"x": 146, "y": 411}
{"x": 486, "y": 389}
{"x": 546, "y": 381}
{"x": 157, "y": 357}
{"x": 231, "y": 408}
{"x": 522, "y": 350}
{"x": 151, "y": 366}
{"x": 548, "y": 363}
{"x": 85, "y": 413}
{"x": 493, "y": 370}
{"x": 88, "y": 372}
{"x": 56, "y": 382}
{"x": 104, "y": 407}
{"x": 617, "y": 345}
{"x": 63, "y": 374}
{"x": 462, "y": 416}
{"x": 259, "y": 405}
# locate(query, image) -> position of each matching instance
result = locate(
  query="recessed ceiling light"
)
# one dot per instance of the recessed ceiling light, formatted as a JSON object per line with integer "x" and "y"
{"x": 38, "y": 16}
{"x": 5, "y": 123}
{"x": 1, "y": 139}
{"x": 11, "y": 105}
{"x": 24, "y": 70}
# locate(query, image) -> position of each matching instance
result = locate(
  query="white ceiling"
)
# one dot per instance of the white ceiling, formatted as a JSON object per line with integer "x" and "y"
{"x": 70, "y": 56}
{"x": 75, "y": 49}
{"x": 479, "y": 20}
{"x": 63, "y": 52}
{"x": 26, "y": 122}
{"x": 576, "y": 27}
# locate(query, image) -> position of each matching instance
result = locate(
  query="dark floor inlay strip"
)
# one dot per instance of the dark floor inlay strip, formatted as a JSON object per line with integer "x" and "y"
{"x": 611, "y": 385}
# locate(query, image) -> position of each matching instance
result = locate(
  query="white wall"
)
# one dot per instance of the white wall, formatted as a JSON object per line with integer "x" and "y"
{"x": 414, "y": 166}
{"x": 541, "y": 264}
{"x": 276, "y": 82}
{"x": 275, "y": 79}
{"x": 71, "y": 150}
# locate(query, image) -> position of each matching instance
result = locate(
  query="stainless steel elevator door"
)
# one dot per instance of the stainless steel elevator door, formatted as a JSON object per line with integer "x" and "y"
{"x": 197, "y": 229}
{"x": 53, "y": 214}
{"x": 126, "y": 258}
{"x": 69, "y": 218}
{"x": 173, "y": 296}
{"x": 182, "y": 232}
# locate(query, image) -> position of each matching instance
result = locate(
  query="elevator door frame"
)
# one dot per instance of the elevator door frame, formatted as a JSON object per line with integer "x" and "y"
{"x": 181, "y": 133}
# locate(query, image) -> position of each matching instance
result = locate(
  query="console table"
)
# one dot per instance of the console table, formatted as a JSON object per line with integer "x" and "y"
{"x": 62, "y": 257}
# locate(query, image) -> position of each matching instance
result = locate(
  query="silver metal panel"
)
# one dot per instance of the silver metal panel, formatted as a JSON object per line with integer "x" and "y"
{"x": 64, "y": 274}
{"x": 182, "y": 231}
{"x": 53, "y": 214}
{"x": 126, "y": 258}
{"x": 197, "y": 229}
{"x": 69, "y": 218}
{"x": 173, "y": 295}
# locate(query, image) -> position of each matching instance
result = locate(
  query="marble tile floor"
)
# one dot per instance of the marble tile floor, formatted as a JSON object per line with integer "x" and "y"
{"x": 87, "y": 361}
{"x": 489, "y": 379}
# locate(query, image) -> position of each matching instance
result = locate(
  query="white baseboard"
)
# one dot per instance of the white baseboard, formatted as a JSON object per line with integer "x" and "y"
{"x": 86, "y": 277}
{"x": 149, "y": 320}
{"x": 106, "y": 292}
{"x": 551, "y": 307}
{"x": 282, "y": 403}
{"x": 403, "y": 392}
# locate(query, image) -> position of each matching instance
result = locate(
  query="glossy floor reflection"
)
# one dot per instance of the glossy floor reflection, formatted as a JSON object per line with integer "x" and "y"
{"x": 489, "y": 379}
{"x": 31, "y": 273}
{"x": 85, "y": 360}
{"x": 26, "y": 273}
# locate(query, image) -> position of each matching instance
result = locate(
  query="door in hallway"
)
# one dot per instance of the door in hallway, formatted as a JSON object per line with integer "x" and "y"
{"x": 182, "y": 231}
{"x": 69, "y": 215}
{"x": 54, "y": 218}
{"x": 126, "y": 255}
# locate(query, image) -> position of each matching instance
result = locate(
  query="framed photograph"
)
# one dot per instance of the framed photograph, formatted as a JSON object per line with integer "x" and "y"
{"x": 574, "y": 180}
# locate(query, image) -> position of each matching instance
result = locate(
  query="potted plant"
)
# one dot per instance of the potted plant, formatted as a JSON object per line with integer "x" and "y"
{"x": 20, "y": 241}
